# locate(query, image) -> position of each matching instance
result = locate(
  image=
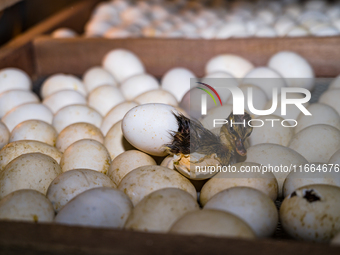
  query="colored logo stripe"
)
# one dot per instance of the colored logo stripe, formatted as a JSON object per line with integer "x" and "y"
{"x": 213, "y": 90}
{"x": 209, "y": 94}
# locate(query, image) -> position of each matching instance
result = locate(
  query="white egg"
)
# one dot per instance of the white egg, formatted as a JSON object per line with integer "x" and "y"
{"x": 312, "y": 212}
{"x": 97, "y": 207}
{"x": 232, "y": 29}
{"x": 15, "y": 149}
{"x": 117, "y": 32}
{"x": 261, "y": 216}
{"x": 294, "y": 68}
{"x": 335, "y": 84}
{"x": 71, "y": 183}
{"x": 160, "y": 209}
{"x": 331, "y": 98}
{"x": 266, "y": 31}
{"x": 177, "y": 81}
{"x": 29, "y": 171}
{"x": 104, "y": 98}
{"x": 97, "y": 76}
{"x": 235, "y": 65}
{"x": 212, "y": 223}
{"x": 271, "y": 132}
{"x": 76, "y": 132}
{"x": 4, "y": 135}
{"x": 127, "y": 161}
{"x": 335, "y": 159}
{"x": 321, "y": 114}
{"x": 116, "y": 114}
{"x": 283, "y": 24}
{"x": 157, "y": 96}
{"x": 266, "y": 79}
{"x": 13, "y": 98}
{"x": 122, "y": 64}
{"x": 147, "y": 127}
{"x": 277, "y": 159}
{"x": 64, "y": 33}
{"x": 325, "y": 30}
{"x": 26, "y": 205}
{"x": 13, "y": 78}
{"x": 115, "y": 142}
{"x": 95, "y": 28}
{"x": 298, "y": 31}
{"x": 88, "y": 154}
{"x": 219, "y": 112}
{"x": 59, "y": 82}
{"x": 137, "y": 85}
{"x": 264, "y": 182}
{"x": 36, "y": 130}
{"x": 141, "y": 182}
{"x": 63, "y": 98}
{"x": 314, "y": 173}
{"x": 31, "y": 111}
{"x": 76, "y": 113}
{"x": 316, "y": 143}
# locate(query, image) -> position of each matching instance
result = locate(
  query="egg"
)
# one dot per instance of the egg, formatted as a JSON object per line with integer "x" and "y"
{"x": 117, "y": 32}
{"x": 97, "y": 76}
{"x": 4, "y": 135}
{"x": 14, "y": 78}
{"x": 219, "y": 112}
{"x": 122, "y": 64}
{"x": 314, "y": 173}
{"x": 115, "y": 141}
{"x": 277, "y": 159}
{"x": 325, "y": 30}
{"x": 177, "y": 81}
{"x": 76, "y": 113}
{"x": 76, "y": 132}
{"x": 264, "y": 182}
{"x": 335, "y": 159}
{"x": 17, "y": 148}
{"x": 331, "y": 97}
{"x": 311, "y": 213}
{"x": 13, "y": 98}
{"x": 261, "y": 216}
{"x": 29, "y": 171}
{"x": 31, "y": 111}
{"x": 140, "y": 182}
{"x": 147, "y": 127}
{"x": 271, "y": 131}
{"x": 160, "y": 209}
{"x": 212, "y": 223}
{"x": 123, "y": 164}
{"x": 59, "y": 82}
{"x": 104, "y": 98}
{"x": 86, "y": 153}
{"x": 64, "y": 33}
{"x": 235, "y": 65}
{"x": 232, "y": 29}
{"x": 35, "y": 130}
{"x": 96, "y": 28}
{"x": 283, "y": 24}
{"x": 71, "y": 183}
{"x": 335, "y": 84}
{"x": 26, "y": 205}
{"x": 97, "y": 207}
{"x": 316, "y": 143}
{"x": 294, "y": 68}
{"x": 63, "y": 98}
{"x": 321, "y": 114}
{"x": 266, "y": 79}
{"x": 116, "y": 114}
{"x": 266, "y": 31}
{"x": 298, "y": 31}
{"x": 157, "y": 96}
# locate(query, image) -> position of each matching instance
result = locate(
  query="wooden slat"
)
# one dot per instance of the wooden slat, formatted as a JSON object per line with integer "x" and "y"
{"x": 75, "y": 55}
{"x": 7, "y": 3}
{"x": 18, "y": 52}
{"x": 28, "y": 238}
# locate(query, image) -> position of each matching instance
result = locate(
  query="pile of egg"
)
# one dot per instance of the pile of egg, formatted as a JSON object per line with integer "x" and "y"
{"x": 188, "y": 19}
{"x": 91, "y": 153}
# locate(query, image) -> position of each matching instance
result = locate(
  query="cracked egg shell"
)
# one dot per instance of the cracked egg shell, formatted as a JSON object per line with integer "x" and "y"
{"x": 35, "y": 130}
{"x": 212, "y": 223}
{"x": 147, "y": 127}
{"x": 29, "y": 171}
{"x": 71, "y": 183}
{"x": 143, "y": 180}
{"x": 26, "y": 205}
{"x": 159, "y": 210}
{"x": 88, "y": 154}
{"x": 99, "y": 207}
{"x": 17, "y": 148}
{"x": 265, "y": 182}
{"x": 312, "y": 213}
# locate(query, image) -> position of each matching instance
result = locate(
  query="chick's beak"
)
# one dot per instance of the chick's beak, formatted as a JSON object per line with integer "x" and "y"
{"x": 241, "y": 150}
